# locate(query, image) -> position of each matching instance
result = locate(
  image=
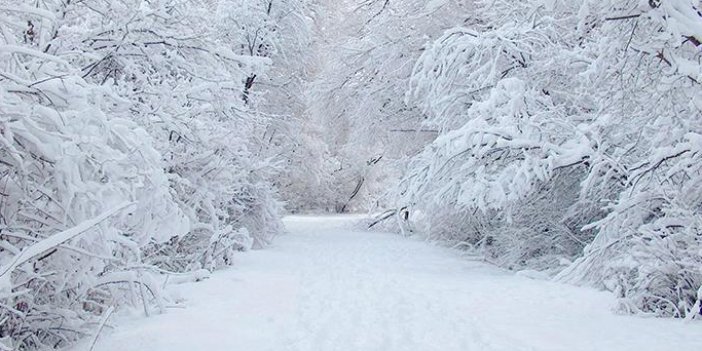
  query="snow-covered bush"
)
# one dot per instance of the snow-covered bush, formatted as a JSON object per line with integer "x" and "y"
{"x": 190, "y": 90}
{"x": 570, "y": 130}
{"x": 82, "y": 190}
{"x": 648, "y": 247}
{"x": 129, "y": 151}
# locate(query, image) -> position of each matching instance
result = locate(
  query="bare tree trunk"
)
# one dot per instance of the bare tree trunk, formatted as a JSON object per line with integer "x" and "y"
{"x": 354, "y": 193}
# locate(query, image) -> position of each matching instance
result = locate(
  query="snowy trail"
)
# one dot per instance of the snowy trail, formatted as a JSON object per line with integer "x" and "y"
{"x": 323, "y": 287}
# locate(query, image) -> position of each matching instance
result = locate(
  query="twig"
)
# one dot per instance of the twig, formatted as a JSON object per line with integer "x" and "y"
{"x": 103, "y": 321}
{"x": 619, "y": 18}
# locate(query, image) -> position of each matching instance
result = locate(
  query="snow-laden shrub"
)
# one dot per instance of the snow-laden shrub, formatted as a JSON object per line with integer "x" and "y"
{"x": 82, "y": 190}
{"x": 126, "y": 143}
{"x": 647, "y": 249}
{"x": 190, "y": 89}
{"x": 511, "y": 185}
{"x": 570, "y": 129}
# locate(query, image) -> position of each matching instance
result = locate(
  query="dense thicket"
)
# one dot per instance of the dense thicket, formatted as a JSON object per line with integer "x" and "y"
{"x": 132, "y": 151}
{"x": 570, "y": 131}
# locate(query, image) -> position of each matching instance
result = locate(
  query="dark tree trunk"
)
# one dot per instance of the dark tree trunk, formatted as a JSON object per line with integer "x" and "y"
{"x": 247, "y": 87}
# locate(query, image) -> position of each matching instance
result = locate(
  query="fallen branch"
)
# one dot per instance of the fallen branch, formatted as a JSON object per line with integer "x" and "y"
{"x": 383, "y": 216}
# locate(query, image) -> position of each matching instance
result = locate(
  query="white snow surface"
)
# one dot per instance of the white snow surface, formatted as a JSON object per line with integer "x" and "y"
{"x": 325, "y": 286}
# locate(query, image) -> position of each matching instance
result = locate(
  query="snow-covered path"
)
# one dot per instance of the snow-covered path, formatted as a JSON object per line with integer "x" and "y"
{"x": 323, "y": 287}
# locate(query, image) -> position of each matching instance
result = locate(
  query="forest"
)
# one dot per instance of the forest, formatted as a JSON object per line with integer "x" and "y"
{"x": 149, "y": 141}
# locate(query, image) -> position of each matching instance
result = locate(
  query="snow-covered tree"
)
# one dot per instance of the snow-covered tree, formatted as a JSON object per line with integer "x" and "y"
{"x": 83, "y": 189}
{"x": 568, "y": 128}
{"x": 358, "y": 91}
{"x": 130, "y": 151}
{"x": 189, "y": 89}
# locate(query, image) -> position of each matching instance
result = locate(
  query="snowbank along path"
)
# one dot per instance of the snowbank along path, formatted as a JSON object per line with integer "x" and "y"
{"x": 325, "y": 287}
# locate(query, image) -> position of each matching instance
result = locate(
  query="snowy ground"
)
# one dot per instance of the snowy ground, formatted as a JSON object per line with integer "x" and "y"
{"x": 324, "y": 287}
